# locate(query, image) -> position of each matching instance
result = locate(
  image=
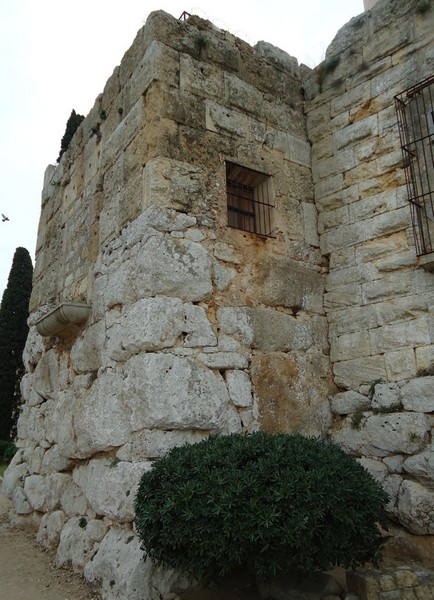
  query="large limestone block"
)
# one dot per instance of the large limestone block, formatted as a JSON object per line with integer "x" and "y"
{"x": 164, "y": 266}
{"x": 59, "y": 426}
{"x": 111, "y": 486}
{"x": 348, "y": 402}
{"x": 149, "y": 324}
{"x": 44, "y": 492}
{"x": 86, "y": 352}
{"x": 45, "y": 377}
{"x": 149, "y": 444}
{"x": 54, "y": 461}
{"x": 173, "y": 184}
{"x": 421, "y": 467}
{"x": 240, "y": 388}
{"x": 386, "y": 395}
{"x": 49, "y": 529}
{"x": 101, "y": 417}
{"x": 168, "y": 392}
{"x": 416, "y": 508}
{"x": 351, "y": 374}
{"x": 418, "y": 394}
{"x": 396, "y": 336}
{"x": 120, "y": 567}
{"x": 33, "y": 349}
{"x": 383, "y": 434}
{"x": 284, "y": 282}
{"x": 235, "y": 322}
{"x": 159, "y": 63}
{"x": 275, "y": 331}
{"x": 197, "y": 327}
{"x": 73, "y": 500}
{"x": 79, "y": 540}
{"x": 292, "y": 392}
{"x": 156, "y": 323}
{"x": 13, "y": 477}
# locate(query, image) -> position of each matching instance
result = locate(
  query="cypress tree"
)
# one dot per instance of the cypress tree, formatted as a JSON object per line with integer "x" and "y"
{"x": 14, "y": 310}
{"x": 72, "y": 125}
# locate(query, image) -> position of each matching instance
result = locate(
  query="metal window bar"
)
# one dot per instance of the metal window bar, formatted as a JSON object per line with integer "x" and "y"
{"x": 415, "y": 110}
{"x": 248, "y": 200}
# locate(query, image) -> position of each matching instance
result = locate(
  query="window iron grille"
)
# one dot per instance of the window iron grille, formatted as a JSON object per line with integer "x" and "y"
{"x": 249, "y": 195}
{"x": 415, "y": 110}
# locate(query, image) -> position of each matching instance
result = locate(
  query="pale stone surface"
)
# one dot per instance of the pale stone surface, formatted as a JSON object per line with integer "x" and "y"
{"x": 20, "y": 503}
{"x": 416, "y": 508}
{"x": 197, "y": 327}
{"x": 45, "y": 377}
{"x": 200, "y": 329}
{"x": 147, "y": 325}
{"x": 235, "y": 321}
{"x": 44, "y": 492}
{"x": 421, "y": 467}
{"x": 418, "y": 395}
{"x": 79, "y": 541}
{"x": 110, "y": 486}
{"x": 120, "y": 559}
{"x": 100, "y": 418}
{"x": 33, "y": 349}
{"x": 149, "y": 444}
{"x": 168, "y": 392}
{"x": 12, "y": 477}
{"x": 349, "y": 402}
{"x": 86, "y": 351}
{"x": 49, "y": 529}
{"x": 381, "y": 435}
{"x": 239, "y": 388}
{"x": 386, "y": 395}
{"x": 73, "y": 500}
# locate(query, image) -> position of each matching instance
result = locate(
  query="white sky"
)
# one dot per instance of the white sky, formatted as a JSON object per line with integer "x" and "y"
{"x": 57, "y": 55}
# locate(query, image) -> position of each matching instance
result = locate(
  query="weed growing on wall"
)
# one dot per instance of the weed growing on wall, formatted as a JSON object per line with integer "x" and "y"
{"x": 263, "y": 503}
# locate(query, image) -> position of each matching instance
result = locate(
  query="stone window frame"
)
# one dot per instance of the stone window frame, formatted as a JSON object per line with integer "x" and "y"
{"x": 250, "y": 204}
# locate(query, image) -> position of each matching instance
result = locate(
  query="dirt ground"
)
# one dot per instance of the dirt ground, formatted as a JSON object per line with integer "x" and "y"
{"x": 27, "y": 571}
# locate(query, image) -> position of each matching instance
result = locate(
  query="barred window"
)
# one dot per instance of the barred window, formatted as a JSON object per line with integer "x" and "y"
{"x": 249, "y": 200}
{"x": 415, "y": 109}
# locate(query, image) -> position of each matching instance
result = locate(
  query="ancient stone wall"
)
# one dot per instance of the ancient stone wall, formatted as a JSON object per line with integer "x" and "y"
{"x": 379, "y": 302}
{"x": 195, "y": 328}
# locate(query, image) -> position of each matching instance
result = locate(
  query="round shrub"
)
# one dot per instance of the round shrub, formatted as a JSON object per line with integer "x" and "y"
{"x": 260, "y": 502}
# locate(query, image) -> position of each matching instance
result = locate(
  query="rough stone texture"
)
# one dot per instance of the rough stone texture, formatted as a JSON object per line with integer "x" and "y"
{"x": 197, "y": 328}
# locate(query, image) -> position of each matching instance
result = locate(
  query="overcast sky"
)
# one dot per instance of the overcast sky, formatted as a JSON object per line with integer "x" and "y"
{"x": 57, "y": 55}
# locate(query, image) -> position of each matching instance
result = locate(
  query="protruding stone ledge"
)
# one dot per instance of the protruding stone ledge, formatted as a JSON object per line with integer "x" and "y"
{"x": 66, "y": 317}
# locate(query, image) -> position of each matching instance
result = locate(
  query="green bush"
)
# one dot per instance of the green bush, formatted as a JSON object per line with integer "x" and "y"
{"x": 263, "y": 503}
{"x": 7, "y": 451}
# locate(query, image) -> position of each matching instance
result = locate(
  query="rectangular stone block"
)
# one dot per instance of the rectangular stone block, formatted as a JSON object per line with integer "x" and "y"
{"x": 412, "y": 333}
{"x": 349, "y": 346}
{"x": 351, "y": 374}
{"x": 401, "y": 364}
{"x": 356, "y": 131}
{"x": 348, "y": 295}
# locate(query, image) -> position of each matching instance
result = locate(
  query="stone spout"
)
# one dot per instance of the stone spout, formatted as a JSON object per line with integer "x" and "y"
{"x": 67, "y": 314}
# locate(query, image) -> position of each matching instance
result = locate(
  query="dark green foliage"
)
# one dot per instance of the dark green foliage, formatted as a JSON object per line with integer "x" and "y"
{"x": 72, "y": 125}
{"x": 82, "y": 523}
{"x": 7, "y": 451}
{"x": 263, "y": 503}
{"x": 14, "y": 311}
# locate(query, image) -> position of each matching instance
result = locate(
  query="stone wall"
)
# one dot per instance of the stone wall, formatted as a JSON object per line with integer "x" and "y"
{"x": 379, "y": 303}
{"x": 195, "y": 328}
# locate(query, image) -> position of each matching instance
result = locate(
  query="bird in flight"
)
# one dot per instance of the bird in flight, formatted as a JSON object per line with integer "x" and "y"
{"x": 4, "y": 218}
